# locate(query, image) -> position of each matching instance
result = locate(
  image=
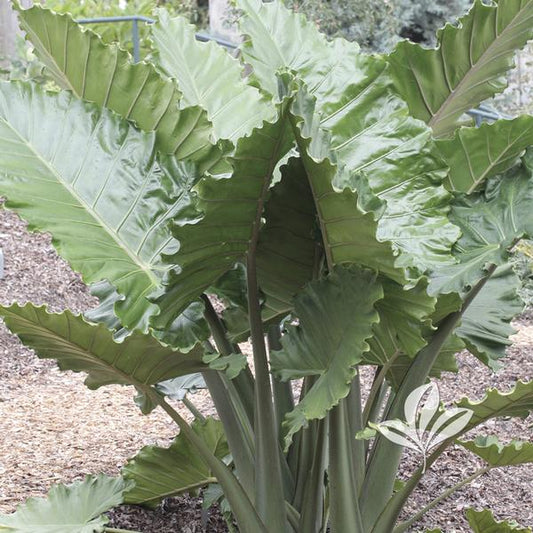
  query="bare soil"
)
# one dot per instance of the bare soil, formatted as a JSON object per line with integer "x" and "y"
{"x": 53, "y": 429}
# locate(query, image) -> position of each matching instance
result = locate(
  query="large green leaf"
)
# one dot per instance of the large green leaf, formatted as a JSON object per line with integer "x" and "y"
{"x": 476, "y": 154}
{"x": 76, "y": 508}
{"x": 484, "y": 522}
{"x": 468, "y": 65}
{"x": 215, "y": 228}
{"x": 485, "y": 326}
{"x": 491, "y": 450}
{"x": 210, "y": 77}
{"x": 491, "y": 222}
{"x": 348, "y": 227}
{"x": 518, "y": 402}
{"x": 111, "y": 200}
{"x": 79, "y": 61}
{"x": 393, "y": 150}
{"x": 161, "y": 473}
{"x": 139, "y": 360}
{"x": 336, "y": 316}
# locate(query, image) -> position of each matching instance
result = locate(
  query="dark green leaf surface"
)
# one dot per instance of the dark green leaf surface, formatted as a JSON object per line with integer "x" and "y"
{"x": 210, "y": 77}
{"x": 111, "y": 200}
{"x": 476, "y": 154}
{"x": 75, "y": 508}
{"x": 468, "y": 65}
{"x": 484, "y": 522}
{"x": 485, "y": 326}
{"x": 336, "y": 316}
{"x": 491, "y": 450}
{"x": 215, "y": 227}
{"x": 491, "y": 222}
{"x": 161, "y": 473}
{"x": 80, "y": 62}
{"x": 139, "y": 360}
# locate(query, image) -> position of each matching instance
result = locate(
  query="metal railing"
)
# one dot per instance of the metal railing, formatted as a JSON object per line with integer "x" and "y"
{"x": 135, "y": 19}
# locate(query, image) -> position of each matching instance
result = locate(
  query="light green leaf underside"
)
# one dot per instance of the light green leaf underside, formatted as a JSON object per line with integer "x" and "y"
{"x": 491, "y": 222}
{"x": 111, "y": 200}
{"x": 391, "y": 148}
{"x": 215, "y": 228}
{"x": 79, "y": 61}
{"x": 468, "y": 65}
{"x": 139, "y": 360}
{"x": 161, "y": 473}
{"x": 491, "y": 450}
{"x": 484, "y": 522}
{"x": 210, "y": 77}
{"x": 75, "y": 508}
{"x": 336, "y": 316}
{"x": 518, "y": 402}
{"x": 476, "y": 154}
{"x": 485, "y": 326}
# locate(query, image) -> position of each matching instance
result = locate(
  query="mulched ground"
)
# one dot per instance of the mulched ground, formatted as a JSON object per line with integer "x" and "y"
{"x": 55, "y": 430}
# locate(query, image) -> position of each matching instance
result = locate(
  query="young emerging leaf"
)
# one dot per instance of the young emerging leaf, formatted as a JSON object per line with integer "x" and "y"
{"x": 76, "y": 508}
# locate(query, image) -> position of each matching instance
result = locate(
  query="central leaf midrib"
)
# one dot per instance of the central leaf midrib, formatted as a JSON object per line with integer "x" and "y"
{"x": 453, "y": 94}
{"x": 110, "y": 231}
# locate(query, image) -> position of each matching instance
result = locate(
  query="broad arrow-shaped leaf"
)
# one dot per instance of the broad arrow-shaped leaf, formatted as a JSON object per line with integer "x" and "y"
{"x": 497, "y": 454}
{"x": 485, "y": 326}
{"x": 210, "y": 77}
{"x": 468, "y": 65}
{"x": 139, "y": 360}
{"x": 76, "y": 508}
{"x": 392, "y": 149}
{"x": 336, "y": 316}
{"x": 484, "y": 522}
{"x": 79, "y": 61}
{"x": 476, "y": 154}
{"x": 111, "y": 200}
{"x": 518, "y": 402}
{"x": 161, "y": 473}
{"x": 215, "y": 228}
{"x": 491, "y": 222}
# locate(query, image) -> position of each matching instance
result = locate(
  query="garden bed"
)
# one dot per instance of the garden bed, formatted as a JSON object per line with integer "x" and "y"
{"x": 55, "y": 430}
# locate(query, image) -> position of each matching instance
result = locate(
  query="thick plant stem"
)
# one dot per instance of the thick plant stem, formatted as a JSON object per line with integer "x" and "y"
{"x": 377, "y": 387}
{"x": 241, "y": 506}
{"x": 405, "y": 525}
{"x": 344, "y": 505}
{"x": 312, "y": 505}
{"x": 244, "y": 382}
{"x": 193, "y": 409}
{"x": 355, "y": 418}
{"x": 385, "y": 457}
{"x": 269, "y": 491}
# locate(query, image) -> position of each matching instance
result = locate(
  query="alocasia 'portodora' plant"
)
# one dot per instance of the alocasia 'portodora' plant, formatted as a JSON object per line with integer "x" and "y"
{"x": 341, "y": 207}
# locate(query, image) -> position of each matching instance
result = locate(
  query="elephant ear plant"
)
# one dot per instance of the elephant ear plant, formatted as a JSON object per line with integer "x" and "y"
{"x": 341, "y": 208}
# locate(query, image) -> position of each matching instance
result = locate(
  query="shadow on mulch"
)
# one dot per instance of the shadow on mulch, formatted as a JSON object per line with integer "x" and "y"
{"x": 175, "y": 515}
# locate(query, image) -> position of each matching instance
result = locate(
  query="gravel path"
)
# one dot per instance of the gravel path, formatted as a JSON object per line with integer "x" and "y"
{"x": 55, "y": 430}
